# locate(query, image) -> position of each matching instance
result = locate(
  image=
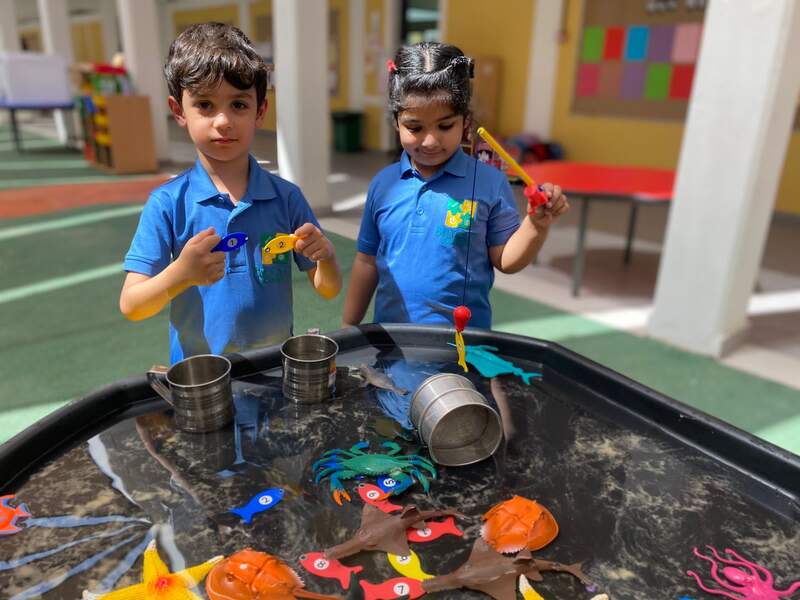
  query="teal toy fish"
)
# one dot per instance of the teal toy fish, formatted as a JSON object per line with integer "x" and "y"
{"x": 491, "y": 365}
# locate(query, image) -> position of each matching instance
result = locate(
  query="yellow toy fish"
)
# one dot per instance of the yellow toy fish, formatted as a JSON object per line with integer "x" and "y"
{"x": 527, "y": 591}
{"x": 158, "y": 583}
{"x": 281, "y": 243}
{"x": 408, "y": 566}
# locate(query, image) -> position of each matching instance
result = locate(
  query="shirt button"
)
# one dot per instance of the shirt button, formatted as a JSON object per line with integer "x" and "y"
{"x": 420, "y": 211}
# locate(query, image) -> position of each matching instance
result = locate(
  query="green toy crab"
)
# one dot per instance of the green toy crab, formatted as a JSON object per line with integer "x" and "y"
{"x": 348, "y": 464}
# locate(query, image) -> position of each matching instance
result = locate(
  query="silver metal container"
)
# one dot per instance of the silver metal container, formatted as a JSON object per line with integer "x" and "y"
{"x": 199, "y": 389}
{"x": 455, "y": 420}
{"x": 309, "y": 368}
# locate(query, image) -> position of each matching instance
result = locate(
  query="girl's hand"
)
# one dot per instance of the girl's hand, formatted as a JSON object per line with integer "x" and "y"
{"x": 312, "y": 243}
{"x": 549, "y": 213}
{"x": 198, "y": 264}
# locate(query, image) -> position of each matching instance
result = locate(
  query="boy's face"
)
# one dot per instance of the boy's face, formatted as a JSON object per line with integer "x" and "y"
{"x": 430, "y": 133}
{"x": 221, "y": 121}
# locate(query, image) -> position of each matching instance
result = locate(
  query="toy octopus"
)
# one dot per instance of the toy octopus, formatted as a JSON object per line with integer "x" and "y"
{"x": 758, "y": 584}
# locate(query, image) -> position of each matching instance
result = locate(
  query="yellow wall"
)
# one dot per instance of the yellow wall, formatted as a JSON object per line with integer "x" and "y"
{"x": 260, "y": 9}
{"x": 32, "y": 38}
{"x": 501, "y": 29}
{"x": 87, "y": 42}
{"x": 223, "y": 13}
{"x": 634, "y": 141}
{"x": 374, "y": 116}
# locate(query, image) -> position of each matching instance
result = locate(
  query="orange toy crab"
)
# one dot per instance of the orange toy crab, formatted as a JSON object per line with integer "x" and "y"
{"x": 252, "y": 575}
{"x": 518, "y": 523}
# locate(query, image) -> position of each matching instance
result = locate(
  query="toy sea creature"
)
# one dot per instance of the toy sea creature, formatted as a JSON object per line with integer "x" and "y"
{"x": 381, "y": 531}
{"x": 527, "y": 591}
{"x": 252, "y": 575}
{"x": 259, "y": 503}
{"x": 376, "y": 378}
{"x": 461, "y": 316}
{"x": 433, "y": 530}
{"x": 158, "y": 583}
{"x": 317, "y": 564}
{"x": 757, "y": 583}
{"x": 9, "y": 515}
{"x": 281, "y": 243}
{"x": 399, "y": 587}
{"x": 390, "y": 429}
{"x": 495, "y": 574}
{"x": 372, "y": 494}
{"x": 230, "y": 242}
{"x": 344, "y": 464}
{"x": 490, "y": 365}
{"x": 518, "y": 523}
{"x": 408, "y": 566}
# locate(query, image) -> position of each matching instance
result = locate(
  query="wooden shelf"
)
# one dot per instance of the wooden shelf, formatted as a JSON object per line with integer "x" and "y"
{"x": 121, "y": 133}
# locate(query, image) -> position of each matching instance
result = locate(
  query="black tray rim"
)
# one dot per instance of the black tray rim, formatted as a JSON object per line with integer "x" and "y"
{"x": 757, "y": 458}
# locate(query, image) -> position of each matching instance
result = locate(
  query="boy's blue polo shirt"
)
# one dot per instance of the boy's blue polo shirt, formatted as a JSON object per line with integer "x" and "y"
{"x": 418, "y": 232}
{"x": 251, "y": 305}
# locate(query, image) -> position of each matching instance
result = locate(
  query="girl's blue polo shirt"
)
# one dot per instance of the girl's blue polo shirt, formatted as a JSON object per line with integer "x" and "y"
{"x": 419, "y": 232}
{"x": 251, "y": 305}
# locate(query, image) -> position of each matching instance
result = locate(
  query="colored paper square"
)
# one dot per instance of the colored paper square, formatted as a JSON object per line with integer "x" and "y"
{"x": 636, "y": 42}
{"x": 615, "y": 40}
{"x": 687, "y": 42}
{"x": 610, "y": 80}
{"x": 660, "y": 47}
{"x": 656, "y": 85}
{"x": 592, "y": 44}
{"x": 633, "y": 75}
{"x": 588, "y": 77}
{"x": 681, "y": 85}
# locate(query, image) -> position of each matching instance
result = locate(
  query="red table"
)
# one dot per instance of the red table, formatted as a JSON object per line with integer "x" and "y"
{"x": 590, "y": 181}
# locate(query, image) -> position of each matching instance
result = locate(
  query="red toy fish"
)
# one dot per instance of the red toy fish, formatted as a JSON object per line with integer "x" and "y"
{"x": 433, "y": 530}
{"x": 399, "y": 587}
{"x": 330, "y": 568}
{"x": 372, "y": 494}
{"x": 9, "y": 515}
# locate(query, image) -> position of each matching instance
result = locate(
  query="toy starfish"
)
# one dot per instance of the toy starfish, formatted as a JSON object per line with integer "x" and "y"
{"x": 382, "y": 531}
{"x": 158, "y": 583}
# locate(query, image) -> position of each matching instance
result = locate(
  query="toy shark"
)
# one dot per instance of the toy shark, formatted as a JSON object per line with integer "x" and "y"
{"x": 490, "y": 365}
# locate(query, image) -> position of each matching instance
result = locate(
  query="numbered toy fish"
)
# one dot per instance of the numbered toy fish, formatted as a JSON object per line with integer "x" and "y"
{"x": 259, "y": 503}
{"x": 372, "y": 494}
{"x": 527, "y": 591}
{"x": 399, "y": 587}
{"x": 376, "y": 378}
{"x": 9, "y": 515}
{"x": 230, "y": 242}
{"x": 433, "y": 530}
{"x": 317, "y": 564}
{"x": 491, "y": 365}
{"x": 408, "y": 566}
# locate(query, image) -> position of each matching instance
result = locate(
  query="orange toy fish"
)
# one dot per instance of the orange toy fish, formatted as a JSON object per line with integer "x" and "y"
{"x": 518, "y": 523}
{"x": 252, "y": 575}
{"x": 9, "y": 515}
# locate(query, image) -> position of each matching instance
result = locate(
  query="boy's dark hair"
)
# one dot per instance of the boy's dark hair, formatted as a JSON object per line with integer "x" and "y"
{"x": 434, "y": 70}
{"x": 205, "y": 54}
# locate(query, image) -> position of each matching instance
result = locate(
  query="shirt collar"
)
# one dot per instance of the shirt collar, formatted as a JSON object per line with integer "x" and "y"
{"x": 455, "y": 165}
{"x": 259, "y": 184}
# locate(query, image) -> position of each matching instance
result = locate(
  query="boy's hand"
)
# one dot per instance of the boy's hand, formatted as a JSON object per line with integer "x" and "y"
{"x": 312, "y": 244}
{"x": 549, "y": 213}
{"x": 199, "y": 265}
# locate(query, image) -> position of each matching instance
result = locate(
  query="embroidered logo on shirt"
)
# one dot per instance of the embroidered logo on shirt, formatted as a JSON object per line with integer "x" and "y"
{"x": 460, "y": 214}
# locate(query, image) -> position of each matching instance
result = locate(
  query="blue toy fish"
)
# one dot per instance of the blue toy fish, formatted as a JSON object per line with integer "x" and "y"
{"x": 259, "y": 503}
{"x": 491, "y": 365}
{"x": 232, "y": 241}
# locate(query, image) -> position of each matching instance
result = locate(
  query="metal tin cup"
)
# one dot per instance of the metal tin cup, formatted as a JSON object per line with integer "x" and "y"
{"x": 455, "y": 420}
{"x": 199, "y": 389}
{"x": 309, "y": 368}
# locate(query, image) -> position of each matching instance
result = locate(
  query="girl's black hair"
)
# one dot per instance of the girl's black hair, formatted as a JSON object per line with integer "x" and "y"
{"x": 439, "y": 72}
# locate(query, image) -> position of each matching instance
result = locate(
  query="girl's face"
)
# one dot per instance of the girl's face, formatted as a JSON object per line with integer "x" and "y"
{"x": 430, "y": 133}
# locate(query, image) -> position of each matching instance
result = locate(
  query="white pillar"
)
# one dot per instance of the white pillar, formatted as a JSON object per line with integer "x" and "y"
{"x": 245, "y": 20}
{"x": 9, "y": 37}
{"x": 301, "y": 95}
{"x": 542, "y": 67}
{"x": 144, "y": 59}
{"x": 357, "y": 46}
{"x": 57, "y": 39}
{"x": 737, "y": 130}
{"x": 110, "y": 25}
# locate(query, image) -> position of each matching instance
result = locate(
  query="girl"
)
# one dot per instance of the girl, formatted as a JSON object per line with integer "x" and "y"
{"x": 437, "y": 223}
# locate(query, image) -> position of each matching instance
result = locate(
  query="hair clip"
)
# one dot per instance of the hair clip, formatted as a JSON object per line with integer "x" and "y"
{"x": 390, "y": 66}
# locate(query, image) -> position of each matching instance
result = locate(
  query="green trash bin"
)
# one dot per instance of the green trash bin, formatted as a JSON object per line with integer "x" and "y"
{"x": 347, "y": 131}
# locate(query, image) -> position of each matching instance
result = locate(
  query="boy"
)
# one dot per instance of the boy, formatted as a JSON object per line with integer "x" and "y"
{"x": 221, "y": 301}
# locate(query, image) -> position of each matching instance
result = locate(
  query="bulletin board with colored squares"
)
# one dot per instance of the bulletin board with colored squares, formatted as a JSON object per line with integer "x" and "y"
{"x": 634, "y": 61}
